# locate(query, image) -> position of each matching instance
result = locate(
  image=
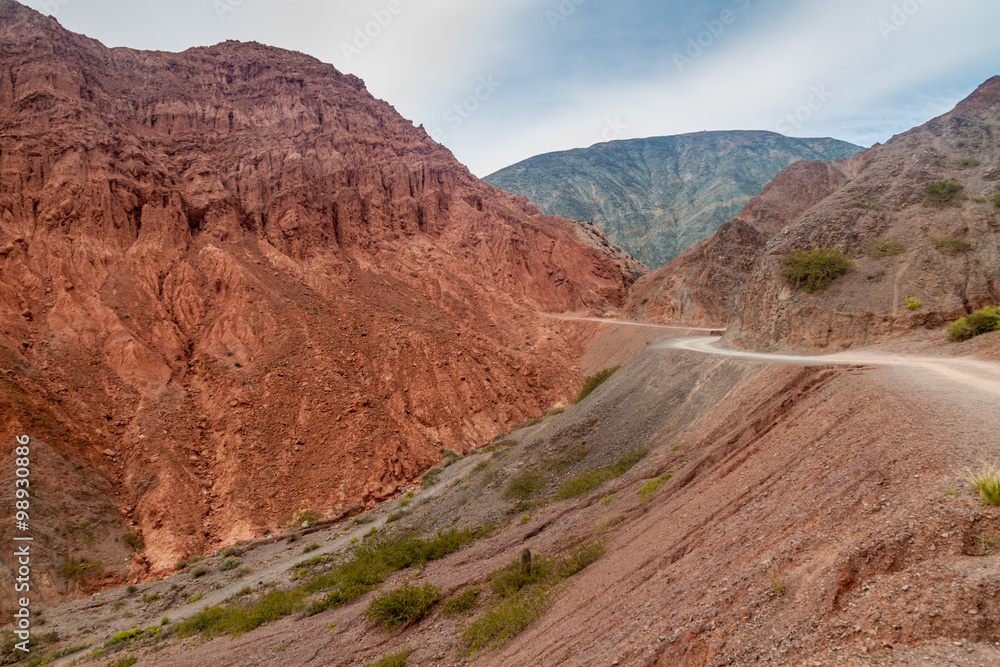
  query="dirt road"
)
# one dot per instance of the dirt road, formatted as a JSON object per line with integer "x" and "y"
{"x": 981, "y": 375}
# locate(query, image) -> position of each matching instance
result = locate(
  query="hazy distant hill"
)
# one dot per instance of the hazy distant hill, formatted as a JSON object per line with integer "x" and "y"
{"x": 658, "y": 197}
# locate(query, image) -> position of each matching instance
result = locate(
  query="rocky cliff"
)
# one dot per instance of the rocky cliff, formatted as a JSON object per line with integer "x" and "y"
{"x": 237, "y": 290}
{"x": 659, "y": 197}
{"x": 874, "y": 207}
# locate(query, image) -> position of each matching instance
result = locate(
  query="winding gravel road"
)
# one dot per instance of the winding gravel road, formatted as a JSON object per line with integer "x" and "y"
{"x": 981, "y": 375}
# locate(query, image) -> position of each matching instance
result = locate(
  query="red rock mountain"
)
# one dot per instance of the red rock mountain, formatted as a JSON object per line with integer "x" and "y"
{"x": 734, "y": 277}
{"x": 234, "y": 287}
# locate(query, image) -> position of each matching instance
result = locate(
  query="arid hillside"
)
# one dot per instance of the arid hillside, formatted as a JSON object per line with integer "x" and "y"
{"x": 236, "y": 290}
{"x": 875, "y": 208}
{"x": 696, "y": 509}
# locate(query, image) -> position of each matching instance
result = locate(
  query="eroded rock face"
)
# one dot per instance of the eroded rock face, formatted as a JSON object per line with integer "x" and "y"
{"x": 233, "y": 285}
{"x": 734, "y": 277}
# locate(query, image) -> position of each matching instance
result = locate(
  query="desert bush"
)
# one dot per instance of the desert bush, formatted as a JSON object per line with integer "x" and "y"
{"x": 975, "y": 324}
{"x": 524, "y": 485}
{"x": 813, "y": 270}
{"x": 505, "y": 620}
{"x": 309, "y": 548}
{"x": 950, "y": 246}
{"x": 869, "y": 202}
{"x": 374, "y": 560}
{"x": 408, "y": 603}
{"x": 238, "y": 619}
{"x": 150, "y": 597}
{"x": 123, "y": 662}
{"x": 199, "y": 570}
{"x": 462, "y": 602}
{"x": 882, "y": 248}
{"x": 450, "y": 456}
{"x": 967, "y": 162}
{"x": 996, "y": 198}
{"x": 397, "y": 659}
{"x": 986, "y": 483}
{"x": 430, "y": 478}
{"x": 943, "y": 194}
{"x": 230, "y": 563}
{"x": 593, "y": 382}
{"x": 912, "y": 303}
{"x": 134, "y": 541}
{"x": 650, "y": 487}
{"x": 586, "y": 482}
{"x": 75, "y": 571}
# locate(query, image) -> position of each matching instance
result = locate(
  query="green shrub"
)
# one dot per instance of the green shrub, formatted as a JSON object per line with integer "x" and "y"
{"x": 912, "y": 303}
{"x": 943, "y": 194}
{"x": 522, "y": 594}
{"x": 950, "y": 246}
{"x": 996, "y": 198}
{"x": 975, "y": 324}
{"x": 869, "y": 202}
{"x": 967, "y": 162}
{"x": 505, "y": 620}
{"x": 882, "y": 248}
{"x": 593, "y": 382}
{"x": 430, "y": 478}
{"x": 450, "y": 456}
{"x": 586, "y": 482}
{"x": 374, "y": 560}
{"x": 123, "y": 662}
{"x": 199, "y": 570}
{"x": 150, "y": 597}
{"x": 309, "y": 548}
{"x": 582, "y": 484}
{"x": 524, "y": 485}
{"x": 986, "y": 482}
{"x": 241, "y": 618}
{"x": 230, "y": 563}
{"x": 397, "y": 659}
{"x": 121, "y": 638}
{"x": 400, "y": 606}
{"x": 393, "y": 517}
{"x": 813, "y": 270}
{"x": 462, "y": 602}
{"x": 75, "y": 571}
{"x": 644, "y": 301}
{"x": 134, "y": 541}
{"x": 650, "y": 487}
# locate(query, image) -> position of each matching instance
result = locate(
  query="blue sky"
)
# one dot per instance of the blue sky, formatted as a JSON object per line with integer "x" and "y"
{"x": 501, "y": 80}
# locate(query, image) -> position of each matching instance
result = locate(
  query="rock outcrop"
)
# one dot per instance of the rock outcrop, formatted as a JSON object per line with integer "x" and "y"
{"x": 234, "y": 287}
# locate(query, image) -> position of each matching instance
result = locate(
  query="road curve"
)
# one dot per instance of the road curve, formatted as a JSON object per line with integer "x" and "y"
{"x": 981, "y": 375}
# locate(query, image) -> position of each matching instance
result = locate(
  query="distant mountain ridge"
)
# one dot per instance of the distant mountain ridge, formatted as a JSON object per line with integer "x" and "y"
{"x": 660, "y": 196}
